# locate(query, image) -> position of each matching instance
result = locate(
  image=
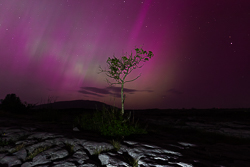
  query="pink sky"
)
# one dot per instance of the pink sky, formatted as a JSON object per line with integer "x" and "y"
{"x": 54, "y": 49}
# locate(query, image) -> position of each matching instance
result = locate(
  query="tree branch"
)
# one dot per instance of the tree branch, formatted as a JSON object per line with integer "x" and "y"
{"x": 133, "y": 79}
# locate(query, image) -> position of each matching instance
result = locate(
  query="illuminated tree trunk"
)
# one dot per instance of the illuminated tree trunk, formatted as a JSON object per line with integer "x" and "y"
{"x": 122, "y": 112}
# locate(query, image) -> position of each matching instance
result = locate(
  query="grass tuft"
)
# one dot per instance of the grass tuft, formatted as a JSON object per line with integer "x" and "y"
{"x": 36, "y": 152}
{"x": 70, "y": 148}
{"x": 101, "y": 150}
{"x": 116, "y": 145}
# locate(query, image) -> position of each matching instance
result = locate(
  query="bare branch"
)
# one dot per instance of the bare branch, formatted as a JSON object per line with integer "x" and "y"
{"x": 141, "y": 66}
{"x": 133, "y": 79}
{"x": 112, "y": 83}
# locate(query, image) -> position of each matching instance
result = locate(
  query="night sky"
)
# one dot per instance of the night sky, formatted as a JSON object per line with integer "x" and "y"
{"x": 53, "y": 48}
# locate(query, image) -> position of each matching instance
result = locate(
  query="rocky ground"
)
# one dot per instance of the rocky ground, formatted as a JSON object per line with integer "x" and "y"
{"x": 175, "y": 138}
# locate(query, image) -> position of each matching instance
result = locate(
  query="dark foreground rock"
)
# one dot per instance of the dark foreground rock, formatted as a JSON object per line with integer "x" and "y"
{"x": 56, "y": 151}
{"x": 33, "y": 143}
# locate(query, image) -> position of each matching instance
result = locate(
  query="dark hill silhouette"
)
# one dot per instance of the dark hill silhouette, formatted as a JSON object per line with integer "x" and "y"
{"x": 75, "y": 104}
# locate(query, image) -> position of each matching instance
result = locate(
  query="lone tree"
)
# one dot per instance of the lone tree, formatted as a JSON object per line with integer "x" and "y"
{"x": 117, "y": 67}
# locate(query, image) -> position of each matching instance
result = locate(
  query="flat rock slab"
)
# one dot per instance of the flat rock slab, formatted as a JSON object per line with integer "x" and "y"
{"x": 56, "y": 150}
{"x": 53, "y": 144}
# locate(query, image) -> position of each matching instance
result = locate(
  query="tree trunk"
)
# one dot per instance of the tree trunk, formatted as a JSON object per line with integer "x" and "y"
{"x": 122, "y": 112}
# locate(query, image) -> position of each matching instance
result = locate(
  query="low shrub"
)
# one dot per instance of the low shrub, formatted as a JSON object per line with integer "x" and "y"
{"x": 109, "y": 123}
{"x": 12, "y": 103}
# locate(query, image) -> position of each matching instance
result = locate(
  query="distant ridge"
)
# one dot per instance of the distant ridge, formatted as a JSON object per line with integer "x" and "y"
{"x": 75, "y": 104}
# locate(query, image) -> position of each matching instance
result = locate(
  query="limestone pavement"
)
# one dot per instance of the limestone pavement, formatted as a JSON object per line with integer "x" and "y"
{"x": 27, "y": 147}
